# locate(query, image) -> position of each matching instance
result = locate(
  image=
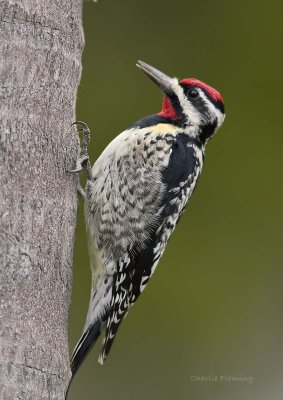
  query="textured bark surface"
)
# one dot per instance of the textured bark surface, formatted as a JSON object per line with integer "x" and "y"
{"x": 40, "y": 66}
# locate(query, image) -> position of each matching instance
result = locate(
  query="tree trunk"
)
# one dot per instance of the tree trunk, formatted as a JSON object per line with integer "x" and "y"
{"x": 40, "y": 65}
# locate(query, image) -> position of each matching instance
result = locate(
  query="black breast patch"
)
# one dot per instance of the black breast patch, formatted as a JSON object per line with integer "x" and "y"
{"x": 182, "y": 162}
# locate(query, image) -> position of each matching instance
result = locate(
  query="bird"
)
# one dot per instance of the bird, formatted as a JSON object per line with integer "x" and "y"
{"x": 136, "y": 192}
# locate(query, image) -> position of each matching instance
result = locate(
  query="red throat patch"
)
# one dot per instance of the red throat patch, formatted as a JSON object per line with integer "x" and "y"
{"x": 168, "y": 111}
{"x": 213, "y": 93}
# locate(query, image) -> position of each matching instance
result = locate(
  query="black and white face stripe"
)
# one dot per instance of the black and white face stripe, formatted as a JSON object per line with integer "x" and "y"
{"x": 201, "y": 90}
{"x": 203, "y": 108}
{"x": 200, "y": 110}
{"x": 191, "y": 114}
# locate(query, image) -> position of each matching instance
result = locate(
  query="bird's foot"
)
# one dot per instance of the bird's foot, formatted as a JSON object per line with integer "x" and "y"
{"x": 80, "y": 164}
{"x": 83, "y": 160}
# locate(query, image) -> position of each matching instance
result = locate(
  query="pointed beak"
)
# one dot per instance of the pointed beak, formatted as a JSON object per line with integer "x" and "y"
{"x": 163, "y": 81}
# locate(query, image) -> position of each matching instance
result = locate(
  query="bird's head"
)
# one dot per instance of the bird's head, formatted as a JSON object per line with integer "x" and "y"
{"x": 189, "y": 102}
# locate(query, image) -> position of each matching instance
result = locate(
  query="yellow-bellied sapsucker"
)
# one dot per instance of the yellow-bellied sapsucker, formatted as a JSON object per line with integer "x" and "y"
{"x": 135, "y": 194}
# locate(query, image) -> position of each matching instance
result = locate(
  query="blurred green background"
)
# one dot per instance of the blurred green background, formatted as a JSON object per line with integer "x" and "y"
{"x": 214, "y": 306}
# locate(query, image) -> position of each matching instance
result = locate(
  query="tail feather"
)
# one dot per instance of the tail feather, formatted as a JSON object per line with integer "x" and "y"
{"x": 84, "y": 346}
{"x": 114, "y": 320}
{"x": 108, "y": 341}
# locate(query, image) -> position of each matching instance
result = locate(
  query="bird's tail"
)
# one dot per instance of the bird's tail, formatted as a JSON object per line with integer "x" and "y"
{"x": 84, "y": 345}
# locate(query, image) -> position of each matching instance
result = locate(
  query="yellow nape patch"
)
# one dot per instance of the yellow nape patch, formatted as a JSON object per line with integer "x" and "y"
{"x": 164, "y": 128}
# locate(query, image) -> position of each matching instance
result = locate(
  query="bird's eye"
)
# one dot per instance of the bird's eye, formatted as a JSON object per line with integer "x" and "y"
{"x": 193, "y": 93}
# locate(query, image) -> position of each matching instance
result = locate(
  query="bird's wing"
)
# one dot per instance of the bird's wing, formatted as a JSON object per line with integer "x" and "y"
{"x": 179, "y": 179}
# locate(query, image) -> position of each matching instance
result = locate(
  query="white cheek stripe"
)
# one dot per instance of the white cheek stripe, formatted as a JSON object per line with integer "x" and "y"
{"x": 214, "y": 112}
{"x": 193, "y": 116}
{"x": 191, "y": 113}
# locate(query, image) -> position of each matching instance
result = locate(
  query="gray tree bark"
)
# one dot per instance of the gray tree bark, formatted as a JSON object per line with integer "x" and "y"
{"x": 40, "y": 65}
